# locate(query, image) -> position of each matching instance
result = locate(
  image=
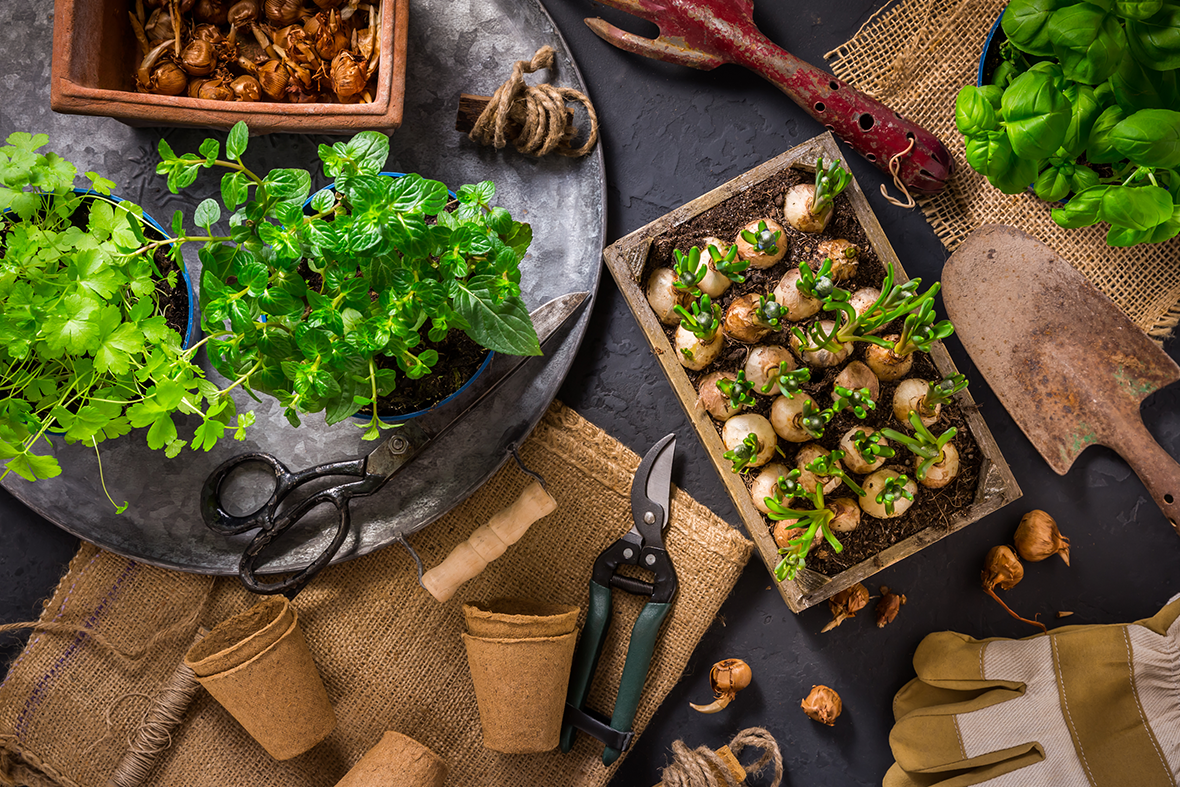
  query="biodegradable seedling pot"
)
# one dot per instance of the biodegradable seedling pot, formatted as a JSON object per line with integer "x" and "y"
{"x": 628, "y": 260}
{"x": 258, "y": 666}
{"x": 95, "y": 57}
{"x": 397, "y": 761}
{"x": 521, "y": 679}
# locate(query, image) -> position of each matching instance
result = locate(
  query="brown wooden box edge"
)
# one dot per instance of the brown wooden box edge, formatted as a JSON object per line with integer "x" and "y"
{"x": 85, "y": 82}
{"x": 626, "y": 259}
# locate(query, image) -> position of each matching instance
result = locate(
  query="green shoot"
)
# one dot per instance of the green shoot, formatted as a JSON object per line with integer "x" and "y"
{"x": 828, "y": 466}
{"x": 870, "y": 447}
{"x": 816, "y": 285}
{"x": 744, "y": 453}
{"x": 764, "y": 241}
{"x": 893, "y": 490}
{"x": 812, "y": 521}
{"x": 920, "y": 329}
{"x": 923, "y": 444}
{"x": 789, "y": 383}
{"x": 942, "y": 391}
{"x": 728, "y": 265}
{"x": 689, "y": 269}
{"x": 814, "y": 421}
{"x": 859, "y": 401}
{"x": 894, "y": 301}
{"x": 769, "y": 311}
{"x": 705, "y": 319}
{"x": 786, "y": 487}
{"x": 829, "y": 182}
{"x": 739, "y": 392}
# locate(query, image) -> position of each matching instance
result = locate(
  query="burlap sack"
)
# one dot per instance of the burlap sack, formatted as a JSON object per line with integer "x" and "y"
{"x": 915, "y": 56}
{"x": 391, "y": 657}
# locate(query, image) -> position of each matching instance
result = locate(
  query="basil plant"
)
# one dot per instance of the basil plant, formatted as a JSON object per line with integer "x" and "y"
{"x": 1083, "y": 107}
{"x": 299, "y": 302}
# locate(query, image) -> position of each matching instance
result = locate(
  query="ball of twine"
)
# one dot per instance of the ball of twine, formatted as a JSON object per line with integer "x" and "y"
{"x": 545, "y": 122}
{"x": 703, "y": 767}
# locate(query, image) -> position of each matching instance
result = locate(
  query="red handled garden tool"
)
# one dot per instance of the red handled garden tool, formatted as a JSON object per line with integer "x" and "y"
{"x": 707, "y": 33}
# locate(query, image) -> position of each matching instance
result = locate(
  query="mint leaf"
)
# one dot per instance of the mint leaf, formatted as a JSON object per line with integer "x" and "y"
{"x": 235, "y": 144}
{"x": 502, "y": 327}
{"x": 207, "y": 214}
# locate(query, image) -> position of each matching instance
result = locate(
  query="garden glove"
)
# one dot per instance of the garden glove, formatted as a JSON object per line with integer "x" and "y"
{"x": 1092, "y": 706}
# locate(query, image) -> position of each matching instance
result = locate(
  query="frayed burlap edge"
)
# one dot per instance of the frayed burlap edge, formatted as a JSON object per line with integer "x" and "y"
{"x": 915, "y": 56}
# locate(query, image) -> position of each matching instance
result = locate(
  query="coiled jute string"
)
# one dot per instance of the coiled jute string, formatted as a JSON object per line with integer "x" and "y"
{"x": 703, "y": 767}
{"x": 545, "y": 124}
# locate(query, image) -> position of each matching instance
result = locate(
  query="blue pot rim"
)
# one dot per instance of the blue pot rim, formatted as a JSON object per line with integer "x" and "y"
{"x": 987, "y": 47}
{"x": 395, "y": 419}
{"x": 190, "y": 326}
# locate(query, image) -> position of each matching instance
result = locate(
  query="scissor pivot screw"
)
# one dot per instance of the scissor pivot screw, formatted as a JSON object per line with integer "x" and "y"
{"x": 627, "y": 553}
{"x": 650, "y": 559}
{"x": 650, "y": 518}
{"x": 398, "y": 445}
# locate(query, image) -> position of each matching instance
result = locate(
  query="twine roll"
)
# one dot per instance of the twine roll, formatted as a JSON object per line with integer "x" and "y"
{"x": 702, "y": 766}
{"x": 544, "y": 127}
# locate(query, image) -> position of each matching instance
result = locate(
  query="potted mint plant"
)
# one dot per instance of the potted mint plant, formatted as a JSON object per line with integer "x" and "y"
{"x": 90, "y": 341}
{"x": 331, "y": 308}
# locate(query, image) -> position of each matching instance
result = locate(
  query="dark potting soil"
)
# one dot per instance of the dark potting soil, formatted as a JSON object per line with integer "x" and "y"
{"x": 932, "y": 507}
{"x": 459, "y": 359}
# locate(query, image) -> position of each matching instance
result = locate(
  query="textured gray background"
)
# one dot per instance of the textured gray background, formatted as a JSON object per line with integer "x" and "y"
{"x": 669, "y": 135}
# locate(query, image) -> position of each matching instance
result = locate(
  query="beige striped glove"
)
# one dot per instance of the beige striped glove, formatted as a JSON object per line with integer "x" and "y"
{"x": 1091, "y": 706}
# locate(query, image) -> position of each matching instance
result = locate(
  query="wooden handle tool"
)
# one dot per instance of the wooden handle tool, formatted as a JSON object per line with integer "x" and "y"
{"x": 488, "y": 542}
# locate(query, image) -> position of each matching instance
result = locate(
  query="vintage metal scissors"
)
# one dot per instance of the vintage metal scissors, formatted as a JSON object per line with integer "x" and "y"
{"x": 642, "y": 545}
{"x": 284, "y": 508}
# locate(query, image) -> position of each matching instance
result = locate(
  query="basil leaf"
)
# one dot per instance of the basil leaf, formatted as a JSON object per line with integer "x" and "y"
{"x": 973, "y": 112}
{"x": 1025, "y": 22}
{"x": 1137, "y": 207}
{"x": 1149, "y": 138}
{"x": 1036, "y": 115}
{"x": 1155, "y": 42}
{"x": 1137, "y": 87}
{"x": 1088, "y": 41}
{"x": 1082, "y": 208}
{"x": 1100, "y": 148}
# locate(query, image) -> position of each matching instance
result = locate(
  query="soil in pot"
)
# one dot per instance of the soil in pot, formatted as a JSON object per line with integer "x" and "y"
{"x": 932, "y": 507}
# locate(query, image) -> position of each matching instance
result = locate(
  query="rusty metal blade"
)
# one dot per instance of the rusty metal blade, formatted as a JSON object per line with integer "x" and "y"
{"x": 1068, "y": 365}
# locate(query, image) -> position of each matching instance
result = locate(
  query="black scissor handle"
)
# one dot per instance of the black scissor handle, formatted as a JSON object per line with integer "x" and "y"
{"x": 293, "y": 584}
{"x": 218, "y": 519}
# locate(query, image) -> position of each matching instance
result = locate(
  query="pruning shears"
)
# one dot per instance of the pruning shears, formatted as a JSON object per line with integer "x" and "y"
{"x": 643, "y": 546}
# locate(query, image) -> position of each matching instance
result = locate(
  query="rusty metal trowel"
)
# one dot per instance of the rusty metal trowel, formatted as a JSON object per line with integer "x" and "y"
{"x": 1068, "y": 365}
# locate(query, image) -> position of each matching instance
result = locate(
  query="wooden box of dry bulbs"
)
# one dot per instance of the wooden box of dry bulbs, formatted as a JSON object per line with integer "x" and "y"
{"x": 302, "y": 66}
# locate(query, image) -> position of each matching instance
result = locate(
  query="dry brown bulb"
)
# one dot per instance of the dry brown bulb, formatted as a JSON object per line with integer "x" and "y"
{"x": 215, "y": 90}
{"x": 888, "y": 607}
{"x": 331, "y": 39}
{"x": 348, "y": 76}
{"x": 1038, "y": 538}
{"x": 1002, "y": 569}
{"x": 823, "y": 704}
{"x": 846, "y": 604}
{"x": 273, "y": 78}
{"x": 244, "y": 12}
{"x": 246, "y": 88}
{"x": 214, "y": 12}
{"x": 199, "y": 58}
{"x": 281, "y": 13}
{"x": 159, "y": 26}
{"x": 726, "y": 678}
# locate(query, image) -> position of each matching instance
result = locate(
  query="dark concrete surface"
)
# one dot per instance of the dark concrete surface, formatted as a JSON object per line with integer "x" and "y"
{"x": 670, "y": 134}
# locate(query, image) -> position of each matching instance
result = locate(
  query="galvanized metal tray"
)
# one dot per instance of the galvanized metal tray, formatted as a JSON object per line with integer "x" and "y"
{"x": 456, "y": 46}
